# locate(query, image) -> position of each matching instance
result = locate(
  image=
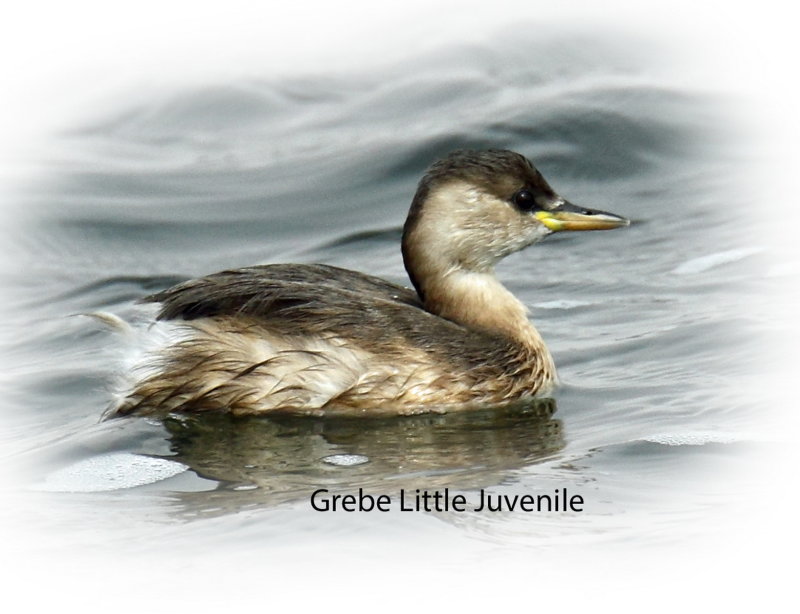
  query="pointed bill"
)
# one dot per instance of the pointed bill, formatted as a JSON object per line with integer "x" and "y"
{"x": 569, "y": 217}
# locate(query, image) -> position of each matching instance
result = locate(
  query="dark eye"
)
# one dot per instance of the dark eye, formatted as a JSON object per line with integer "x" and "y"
{"x": 524, "y": 200}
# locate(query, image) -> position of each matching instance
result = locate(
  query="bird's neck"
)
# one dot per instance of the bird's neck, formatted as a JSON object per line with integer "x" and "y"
{"x": 477, "y": 300}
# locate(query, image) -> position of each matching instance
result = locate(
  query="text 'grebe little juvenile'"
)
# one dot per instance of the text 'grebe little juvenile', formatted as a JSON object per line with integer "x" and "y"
{"x": 317, "y": 339}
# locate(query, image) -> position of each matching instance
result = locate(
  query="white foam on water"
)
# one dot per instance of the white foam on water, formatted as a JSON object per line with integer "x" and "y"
{"x": 710, "y": 261}
{"x": 113, "y": 471}
{"x": 346, "y": 460}
{"x": 561, "y": 304}
{"x": 695, "y": 438}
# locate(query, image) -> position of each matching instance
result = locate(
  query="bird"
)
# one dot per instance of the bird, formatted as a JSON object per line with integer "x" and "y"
{"x": 321, "y": 340}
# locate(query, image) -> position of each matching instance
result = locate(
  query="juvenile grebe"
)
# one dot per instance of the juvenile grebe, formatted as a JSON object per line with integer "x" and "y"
{"x": 317, "y": 339}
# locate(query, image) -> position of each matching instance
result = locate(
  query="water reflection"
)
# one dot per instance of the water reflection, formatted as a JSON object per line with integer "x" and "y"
{"x": 283, "y": 459}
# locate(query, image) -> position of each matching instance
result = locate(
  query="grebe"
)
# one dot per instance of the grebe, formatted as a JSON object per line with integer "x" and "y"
{"x": 317, "y": 339}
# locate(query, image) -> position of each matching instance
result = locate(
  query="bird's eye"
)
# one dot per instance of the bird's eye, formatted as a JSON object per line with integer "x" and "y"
{"x": 524, "y": 200}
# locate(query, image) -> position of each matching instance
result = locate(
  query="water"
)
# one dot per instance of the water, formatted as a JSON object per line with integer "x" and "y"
{"x": 656, "y": 329}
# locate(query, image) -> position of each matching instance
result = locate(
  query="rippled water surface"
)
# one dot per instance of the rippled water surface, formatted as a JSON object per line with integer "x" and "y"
{"x": 654, "y": 328}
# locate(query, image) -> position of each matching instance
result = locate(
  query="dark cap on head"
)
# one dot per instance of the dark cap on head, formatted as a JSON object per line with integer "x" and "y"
{"x": 486, "y": 168}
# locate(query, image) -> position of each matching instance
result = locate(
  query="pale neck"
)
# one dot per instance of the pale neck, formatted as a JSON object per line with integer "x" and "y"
{"x": 480, "y": 302}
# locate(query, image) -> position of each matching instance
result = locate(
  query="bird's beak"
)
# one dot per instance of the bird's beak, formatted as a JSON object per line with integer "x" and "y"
{"x": 567, "y": 216}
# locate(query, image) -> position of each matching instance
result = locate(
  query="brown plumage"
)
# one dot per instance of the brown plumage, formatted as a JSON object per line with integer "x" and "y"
{"x": 321, "y": 339}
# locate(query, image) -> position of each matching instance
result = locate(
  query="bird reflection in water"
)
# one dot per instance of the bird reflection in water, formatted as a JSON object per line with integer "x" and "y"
{"x": 279, "y": 459}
